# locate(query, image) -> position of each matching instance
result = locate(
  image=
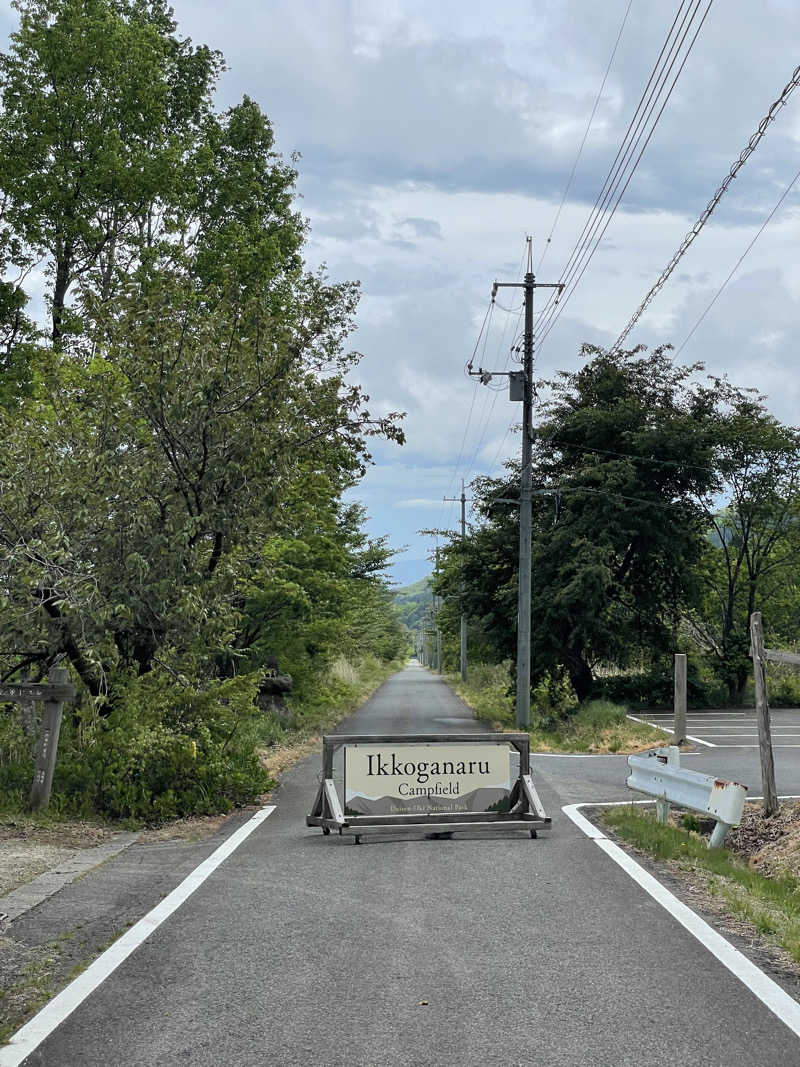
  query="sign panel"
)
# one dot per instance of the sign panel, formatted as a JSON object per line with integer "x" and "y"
{"x": 426, "y": 779}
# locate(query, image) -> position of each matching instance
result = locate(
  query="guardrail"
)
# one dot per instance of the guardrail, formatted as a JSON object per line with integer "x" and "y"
{"x": 658, "y": 774}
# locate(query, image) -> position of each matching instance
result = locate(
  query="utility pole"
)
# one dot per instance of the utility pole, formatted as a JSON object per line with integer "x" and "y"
{"x": 463, "y": 499}
{"x": 529, "y": 283}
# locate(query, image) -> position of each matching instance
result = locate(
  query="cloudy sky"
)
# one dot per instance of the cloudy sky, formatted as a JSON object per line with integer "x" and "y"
{"x": 436, "y": 135}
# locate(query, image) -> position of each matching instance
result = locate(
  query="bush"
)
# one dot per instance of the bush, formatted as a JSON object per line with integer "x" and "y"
{"x": 166, "y": 751}
{"x": 783, "y": 686}
{"x": 654, "y": 688}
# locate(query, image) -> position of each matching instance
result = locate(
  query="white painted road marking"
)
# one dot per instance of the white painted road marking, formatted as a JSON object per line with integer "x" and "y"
{"x": 31, "y": 1035}
{"x": 659, "y": 726}
{"x": 768, "y": 992}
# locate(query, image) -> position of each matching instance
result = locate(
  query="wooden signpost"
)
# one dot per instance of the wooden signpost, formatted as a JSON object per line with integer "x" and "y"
{"x": 52, "y": 693}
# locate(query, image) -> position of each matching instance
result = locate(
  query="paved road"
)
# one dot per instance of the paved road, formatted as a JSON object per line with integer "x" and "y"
{"x": 304, "y": 950}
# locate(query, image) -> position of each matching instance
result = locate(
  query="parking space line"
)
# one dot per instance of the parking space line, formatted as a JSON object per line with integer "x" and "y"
{"x": 658, "y": 726}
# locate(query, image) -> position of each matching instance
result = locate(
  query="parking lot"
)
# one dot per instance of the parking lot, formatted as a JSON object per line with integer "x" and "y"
{"x": 731, "y": 728}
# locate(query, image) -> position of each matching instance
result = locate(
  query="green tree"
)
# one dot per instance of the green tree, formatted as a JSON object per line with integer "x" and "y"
{"x": 101, "y": 104}
{"x": 199, "y": 370}
{"x": 753, "y": 549}
{"x": 623, "y": 460}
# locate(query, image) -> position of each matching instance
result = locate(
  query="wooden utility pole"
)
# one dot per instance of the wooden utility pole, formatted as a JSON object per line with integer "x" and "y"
{"x": 463, "y": 660}
{"x": 770, "y": 802}
{"x": 523, "y": 706}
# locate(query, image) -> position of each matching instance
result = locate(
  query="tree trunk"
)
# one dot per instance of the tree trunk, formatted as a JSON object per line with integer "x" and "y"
{"x": 580, "y": 674}
{"x": 63, "y": 269}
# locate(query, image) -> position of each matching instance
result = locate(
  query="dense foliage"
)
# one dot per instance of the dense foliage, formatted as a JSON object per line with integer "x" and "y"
{"x": 178, "y": 439}
{"x": 665, "y": 512}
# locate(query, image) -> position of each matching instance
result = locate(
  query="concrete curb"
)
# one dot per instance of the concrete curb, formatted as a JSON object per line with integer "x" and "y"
{"x": 27, "y": 896}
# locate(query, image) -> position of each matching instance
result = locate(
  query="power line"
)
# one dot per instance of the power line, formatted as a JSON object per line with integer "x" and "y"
{"x": 614, "y": 168}
{"x": 598, "y": 221}
{"x": 585, "y": 135}
{"x": 751, "y": 146}
{"x": 627, "y": 455}
{"x": 738, "y": 264}
{"x": 488, "y": 408}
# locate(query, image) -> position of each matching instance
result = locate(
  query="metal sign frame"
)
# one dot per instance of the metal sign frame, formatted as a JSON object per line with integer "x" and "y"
{"x": 526, "y": 812}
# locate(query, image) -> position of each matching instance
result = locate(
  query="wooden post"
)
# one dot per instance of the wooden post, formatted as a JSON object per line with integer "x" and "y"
{"x": 680, "y": 698}
{"x": 27, "y": 713}
{"x": 770, "y": 803}
{"x": 47, "y": 746}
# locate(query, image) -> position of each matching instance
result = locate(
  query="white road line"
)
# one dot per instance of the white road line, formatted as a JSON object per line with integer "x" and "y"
{"x": 658, "y": 726}
{"x": 776, "y": 999}
{"x": 31, "y": 1035}
{"x": 743, "y": 736}
{"x": 754, "y": 746}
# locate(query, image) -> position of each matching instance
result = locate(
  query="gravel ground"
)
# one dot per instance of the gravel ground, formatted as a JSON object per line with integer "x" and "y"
{"x": 770, "y": 843}
{"x": 28, "y": 849}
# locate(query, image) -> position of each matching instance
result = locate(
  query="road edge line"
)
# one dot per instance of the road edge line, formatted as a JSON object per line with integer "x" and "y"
{"x": 36, "y": 1030}
{"x": 771, "y": 995}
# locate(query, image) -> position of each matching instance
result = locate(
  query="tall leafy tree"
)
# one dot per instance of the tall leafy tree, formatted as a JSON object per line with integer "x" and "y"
{"x": 753, "y": 548}
{"x": 197, "y": 368}
{"x": 623, "y": 459}
{"x": 101, "y": 104}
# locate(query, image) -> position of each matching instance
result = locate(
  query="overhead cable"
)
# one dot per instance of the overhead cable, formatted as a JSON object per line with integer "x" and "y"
{"x": 760, "y": 230}
{"x": 640, "y": 129}
{"x": 623, "y": 152}
{"x": 751, "y": 146}
{"x": 585, "y": 135}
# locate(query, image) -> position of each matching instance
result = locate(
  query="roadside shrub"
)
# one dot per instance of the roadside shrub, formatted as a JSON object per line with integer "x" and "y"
{"x": 654, "y": 688}
{"x": 167, "y": 751}
{"x": 783, "y": 685}
{"x": 16, "y": 759}
{"x": 553, "y": 701}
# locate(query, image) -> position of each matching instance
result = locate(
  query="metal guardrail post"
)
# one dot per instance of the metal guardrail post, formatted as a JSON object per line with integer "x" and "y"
{"x": 680, "y": 697}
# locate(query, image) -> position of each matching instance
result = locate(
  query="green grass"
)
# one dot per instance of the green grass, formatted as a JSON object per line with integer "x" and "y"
{"x": 596, "y": 726}
{"x": 346, "y": 686}
{"x": 770, "y": 905}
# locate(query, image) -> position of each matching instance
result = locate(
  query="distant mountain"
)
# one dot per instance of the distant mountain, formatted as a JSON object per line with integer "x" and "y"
{"x": 412, "y": 601}
{"x": 477, "y": 800}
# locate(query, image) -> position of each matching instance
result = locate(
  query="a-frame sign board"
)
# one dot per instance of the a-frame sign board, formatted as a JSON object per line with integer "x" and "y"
{"x": 426, "y": 782}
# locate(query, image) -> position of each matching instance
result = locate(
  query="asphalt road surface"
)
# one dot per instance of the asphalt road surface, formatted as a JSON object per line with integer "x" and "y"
{"x": 734, "y": 727}
{"x": 484, "y": 951}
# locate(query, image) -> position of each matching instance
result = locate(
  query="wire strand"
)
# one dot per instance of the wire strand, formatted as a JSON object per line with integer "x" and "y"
{"x": 585, "y": 135}
{"x": 587, "y": 258}
{"x": 738, "y": 264}
{"x": 688, "y": 240}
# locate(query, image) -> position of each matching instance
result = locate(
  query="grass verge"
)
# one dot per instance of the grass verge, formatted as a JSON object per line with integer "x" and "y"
{"x": 768, "y": 906}
{"x": 346, "y": 688}
{"x": 598, "y": 726}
